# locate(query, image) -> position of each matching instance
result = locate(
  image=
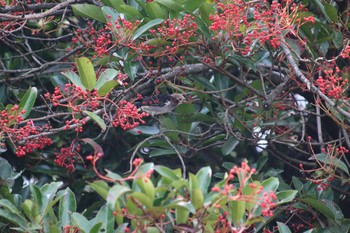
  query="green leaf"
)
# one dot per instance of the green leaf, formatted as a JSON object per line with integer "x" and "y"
{"x": 206, "y": 10}
{"x": 15, "y": 219}
{"x": 160, "y": 152}
{"x": 282, "y": 228}
{"x": 100, "y": 187}
{"x": 81, "y": 222}
{"x": 330, "y": 160}
{"x": 297, "y": 183}
{"x": 116, "y": 192}
{"x": 166, "y": 172}
{"x": 270, "y": 184}
{"x": 154, "y": 11}
{"x": 204, "y": 179}
{"x": 325, "y": 207}
{"x": 89, "y": 11}
{"x": 170, "y": 4}
{"x": 229, "y": 145}
{"x": 286, "y": 196}
{"x": 74, "y": 78}
{"x": 105, "y": 76}
{"x": 237, "y": 209}
{"x": 144, "y": 129}
{"x": 86, "y": 73}
{"x": 147, "y": 187}
{"x": 192, "y": 5}
{"x": 67, "y": 206}
{"x": 130, "y": 12}
{"x": 105, "y": 216}
{"x": 337, "y": 38}
{"x": 181, "y": 215}
{"x": 97, "y": 119}
{"x": 114, "y": 3}
{"x": 107, "y": 87}
{"x": 143, "y": 199}
{"x": 146, "y": 27}
{"x": 48, "y": 192}
{"x": 331, "y": 12}
{"x": 28, "y": 101}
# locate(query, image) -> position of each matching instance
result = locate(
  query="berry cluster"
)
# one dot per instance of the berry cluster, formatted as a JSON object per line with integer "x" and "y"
{"x": 264, "y": 200}
{"x": 331, "y": 83}
{"x": 234, "y": 20}
{"x": 67, "y": 157}
{"x": 21, "y": 135}
{"x": 127, "y": 116}
{"x": 179, "y": 32}
{"x": 328, "y": 164}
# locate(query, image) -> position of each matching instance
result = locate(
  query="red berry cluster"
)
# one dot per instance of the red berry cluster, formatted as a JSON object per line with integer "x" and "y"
{"x": 21, "y": 134}
{"x": 127, "y": 116}
{"x": 179, "y": 32}
{"x": 11, "y": 128}
{"x": 264, "y": 200}
{"x": 331, "y": 83}
{"x": 346, "y": 52}
{"x": 67, "y": 157}
{"x": 233, "y": 20}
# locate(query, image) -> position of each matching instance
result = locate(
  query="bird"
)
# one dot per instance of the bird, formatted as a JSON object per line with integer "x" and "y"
{"x": 171, "y": 101}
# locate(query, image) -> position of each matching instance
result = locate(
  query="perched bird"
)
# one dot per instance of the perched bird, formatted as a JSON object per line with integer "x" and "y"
{"x": 166, "y": 105}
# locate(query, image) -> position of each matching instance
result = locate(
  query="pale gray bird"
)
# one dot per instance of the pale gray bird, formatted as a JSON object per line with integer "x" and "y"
{"x": 168, "y": 106}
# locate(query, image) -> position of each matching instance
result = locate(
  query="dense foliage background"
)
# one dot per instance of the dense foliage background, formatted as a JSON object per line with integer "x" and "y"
{"x": 258, "y": 144}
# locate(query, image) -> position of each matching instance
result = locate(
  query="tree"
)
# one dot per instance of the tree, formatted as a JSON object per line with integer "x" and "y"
{"x": 260, "y": 85}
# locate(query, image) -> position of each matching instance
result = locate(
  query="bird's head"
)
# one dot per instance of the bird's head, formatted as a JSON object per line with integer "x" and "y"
{"x": 177, "y": 98}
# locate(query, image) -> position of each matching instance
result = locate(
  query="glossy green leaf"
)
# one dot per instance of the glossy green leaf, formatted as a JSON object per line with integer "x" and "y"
{"x": 67, "y": 206}
{"x": 130, "y": 12}
{"x": 329, "y": 160}
{"x": 86, "y": 72}
{"x": 181, "y": 215}
{"x": 48, "y": 191}
{"x": 115, "y": 193}
{"x": 105, "y": 76}
{"x": 286, "y": 196}
{"x": 154, "y": 11}
{"x": 170, "y": 4}
{"x": 326, "y": 207}
{"x": 105, "y": 216}
{"x": 297, "y": 183}
{"x": 81, "y": 222}
{"x": 229, "y": 145}
{"x": 270, "y": 184}
{"x": 204, "y": 179}
{"x": 331, "y": 12}
{"x": 192, "y": 5}
{"x": 89, "y": 11}
{"x": 15, "y": 219}
{"x": 237, "y": 210}
{"x": 97, "y": 119}
{"x": 142, "y": 199}
{"x": 107, "y": 87}
{"x": 28, "y": 101}
{"x": 283, "y": 228}
{"x": 96, "y": 228}
{"x": 337, "y": 38}
{"x": 166, "y": 172}
{"x": 144, "y": 129}
{"x": 206, "y": 10}
{"x": 161, "y": 152}
{"x": 147, "y": 187}
{"x": 100, "y": 187}
{"x": 74, "y": 78}
{"x": 146, "y": 27}
{"x": 114, "y": 3}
